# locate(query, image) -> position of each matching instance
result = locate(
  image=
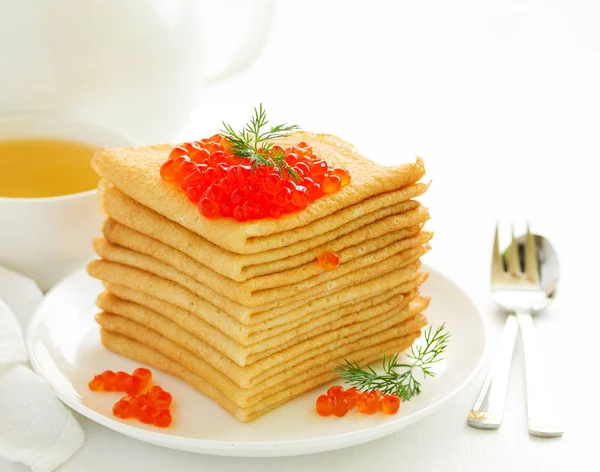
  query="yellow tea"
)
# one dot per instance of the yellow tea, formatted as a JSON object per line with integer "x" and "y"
{"x": 41, "y": 167}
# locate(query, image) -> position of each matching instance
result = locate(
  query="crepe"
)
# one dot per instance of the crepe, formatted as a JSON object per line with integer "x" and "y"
{"x": 142, "y": 353}
{"x": 306, "y": 280}
{"x": 241, "y": 325}
{"x": 135, "y": 171}
{"x": 242, "y": 267}
{"x": 120, "y": 235}
{"x": 138, "y": 306}
{"x": 172, "y": 322}
{"x": 275, "y": 368}
{"x": 278, "y": 381}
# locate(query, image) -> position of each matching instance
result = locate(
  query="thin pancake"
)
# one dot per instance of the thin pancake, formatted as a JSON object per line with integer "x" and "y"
{"x": 141, "y": 353}
{"x": 134, "y": 304}
{"x": 242, "y": 267}
{"x": 303, "y": 282}
{"x": 135, "y": 171}
{"x": 355, "y": 325}
{"x": 246, "y": 320}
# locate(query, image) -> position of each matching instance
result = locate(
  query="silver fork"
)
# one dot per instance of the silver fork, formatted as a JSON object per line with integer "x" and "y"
{"x": 517, "y": 292}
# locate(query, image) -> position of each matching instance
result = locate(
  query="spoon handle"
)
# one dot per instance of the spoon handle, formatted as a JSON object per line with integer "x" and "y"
{"x": 488, "y": 409}
{"x": 540, "y": 412}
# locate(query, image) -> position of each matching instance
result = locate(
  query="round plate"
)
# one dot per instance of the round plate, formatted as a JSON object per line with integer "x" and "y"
{"x": 64, "y": 346}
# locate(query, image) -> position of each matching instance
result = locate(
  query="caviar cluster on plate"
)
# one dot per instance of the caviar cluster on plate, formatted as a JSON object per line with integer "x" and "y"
{"x": 148, "y": 403}
{"x": 338, "y": 402}
{"x": 244, "y": 175}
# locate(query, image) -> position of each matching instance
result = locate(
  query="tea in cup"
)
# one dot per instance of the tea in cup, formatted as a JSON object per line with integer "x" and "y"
{"x": 48, "y": 199}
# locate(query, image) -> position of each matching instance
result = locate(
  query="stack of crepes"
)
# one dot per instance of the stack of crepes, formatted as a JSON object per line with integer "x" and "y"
{"x": 241, "y": 310}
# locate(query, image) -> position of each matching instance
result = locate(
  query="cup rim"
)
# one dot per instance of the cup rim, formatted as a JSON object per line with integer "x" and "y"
{"x": 61, "y": 120}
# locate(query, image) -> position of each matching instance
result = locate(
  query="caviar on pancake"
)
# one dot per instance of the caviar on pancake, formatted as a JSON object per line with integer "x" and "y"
{"x": 245, "y": 175}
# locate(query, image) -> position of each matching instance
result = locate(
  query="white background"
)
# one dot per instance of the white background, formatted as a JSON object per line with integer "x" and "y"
{"x": 502, "y": 101}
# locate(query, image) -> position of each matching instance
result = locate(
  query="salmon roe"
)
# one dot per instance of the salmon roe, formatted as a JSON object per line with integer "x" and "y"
{"x": 133, "y": 385}
{"x": 390, "y": 404}
{"x": 367, "y": 403}
{"x": 223, "y": 184}
{"x": 340, "y": 406}
{"x": 335, "y": 391}
{"x": 328, "y": 260}
{"x": 151, "y": 407}
{"x": 378, "y": 397}
{"x": 145, "y": 376}
{"x": 338, "y": 402}
{"x": 96, "y": 384}
{"x": 352, "y": 395}
{"x": 121, "y": 379}
{"x": 324, "y": 405}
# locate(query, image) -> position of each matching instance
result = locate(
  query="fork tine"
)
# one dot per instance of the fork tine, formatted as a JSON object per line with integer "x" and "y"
{"x": 512, "y": 264}
{"x": 497, "y": 264}
{"x": 531, "y": 258}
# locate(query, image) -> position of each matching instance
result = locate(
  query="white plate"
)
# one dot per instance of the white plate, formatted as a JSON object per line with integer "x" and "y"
{"x": 64, "y": 345}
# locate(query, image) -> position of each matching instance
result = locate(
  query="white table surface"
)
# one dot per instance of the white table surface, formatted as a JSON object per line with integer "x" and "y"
{"x": 502, "y": 100}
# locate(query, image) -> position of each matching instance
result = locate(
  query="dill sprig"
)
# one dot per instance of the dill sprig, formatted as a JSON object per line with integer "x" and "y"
{"x": 254, "y": 142}
{"x": 389, "y": 379}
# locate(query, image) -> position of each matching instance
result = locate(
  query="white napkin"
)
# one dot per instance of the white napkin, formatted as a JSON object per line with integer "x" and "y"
{"x": 36, "y": 429}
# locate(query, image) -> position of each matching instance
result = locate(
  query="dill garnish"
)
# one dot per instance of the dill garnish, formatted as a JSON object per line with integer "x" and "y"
{"x": 390, "y": 380}
{"x": 255, "y": 142}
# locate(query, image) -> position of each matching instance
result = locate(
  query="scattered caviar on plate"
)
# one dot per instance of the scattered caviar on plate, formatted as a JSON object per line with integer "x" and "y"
{"x": 223, "y": 183}
{"x": 324, "y": 405}
{"x": 390, "y": 404}
{"x": 328, "y": 260}
{"x": 96, "y": 384}
{"x": 352, "y": 395}
{"x": 148, "y": 403}
{"x": 335, "y": 391}
{"x": 338, "y": 402}
{"x": 144, "y": 375}
{"x": 340, "y": 406}
{"x": 367, "y": 403}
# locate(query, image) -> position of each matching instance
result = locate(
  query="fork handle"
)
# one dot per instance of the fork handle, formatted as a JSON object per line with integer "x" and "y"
{"x": 540, "y": 417}
{"x": 489, "y": 407}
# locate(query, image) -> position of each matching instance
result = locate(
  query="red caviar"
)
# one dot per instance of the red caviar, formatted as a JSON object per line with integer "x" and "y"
{"x": 335, "y": 391}
{"x": 328, "y": 260}
{"x": 367, "y": 403}
{"x": 121, "y": 379}
{"x": 340, "y": 406}
{"x": 379, "y": 397}
{"x": 331, "y": 184}
{"x": 162, "y": 418}
{"x": 96, "y": 384}
{"x": 343, "y": 175}
{"x": 390, "y": 404}
{"x": 352, "y": 395}
{"x": 133, "y": 385}
{"x": 144, "y": 375}
{"x": 163, "y": 400}
{"x": 154, "y": 391}
{"x": 109, "y": 379}
{"x": 324, "y": 405}
{"x": 123, "y": 409}
{"x": 151, "y": 407}
{"x": 223, "y": 184}
{"x": 146, "y": 413}
{"x": 338, "y": 402}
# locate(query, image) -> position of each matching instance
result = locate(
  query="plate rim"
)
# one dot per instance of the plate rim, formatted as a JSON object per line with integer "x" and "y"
{"x": 289, "y": 447}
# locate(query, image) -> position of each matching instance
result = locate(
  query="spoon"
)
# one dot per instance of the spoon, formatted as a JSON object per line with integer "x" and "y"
{"x": 538, "y": 408}
{"x": 524, "y": 282}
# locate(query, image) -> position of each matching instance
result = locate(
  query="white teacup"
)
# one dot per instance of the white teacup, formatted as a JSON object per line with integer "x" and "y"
{"x": 47, "y": 238}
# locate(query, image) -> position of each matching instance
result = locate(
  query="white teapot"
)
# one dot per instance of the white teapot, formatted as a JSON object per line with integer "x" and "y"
{"x": 108, "y": 73}
{"x": 134, "y": 66}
